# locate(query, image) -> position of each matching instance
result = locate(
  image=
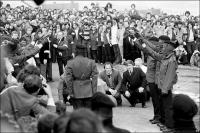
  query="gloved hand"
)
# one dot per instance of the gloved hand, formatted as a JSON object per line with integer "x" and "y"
{"x": 141, "y": 89}
{"x": 55, "y": 46}
{"x": 127, "y": 94}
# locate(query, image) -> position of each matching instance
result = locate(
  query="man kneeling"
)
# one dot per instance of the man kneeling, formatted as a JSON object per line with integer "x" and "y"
{"x": 133, "y": 84}
{"x": 113, "y": 80}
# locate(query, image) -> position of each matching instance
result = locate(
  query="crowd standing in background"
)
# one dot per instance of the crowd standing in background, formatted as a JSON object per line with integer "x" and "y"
{"x": 34, "y": 38}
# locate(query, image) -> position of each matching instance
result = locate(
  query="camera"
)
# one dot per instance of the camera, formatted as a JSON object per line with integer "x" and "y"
{"x": 42, "y": 92}
{"x": 134, "y": 33}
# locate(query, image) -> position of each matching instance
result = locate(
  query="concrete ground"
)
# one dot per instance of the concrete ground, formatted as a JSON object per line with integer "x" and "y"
{"x": 136, "y": 119}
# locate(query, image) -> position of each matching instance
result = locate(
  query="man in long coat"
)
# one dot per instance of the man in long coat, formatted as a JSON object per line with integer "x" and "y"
{"x": 81, "y": 77}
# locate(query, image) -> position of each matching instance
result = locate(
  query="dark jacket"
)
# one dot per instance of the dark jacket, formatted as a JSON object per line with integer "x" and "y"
{"x": 134, "y": 81}
{"x": 131, "y": 52}
{"x": 47, "y": 51}
{"x": 168, "y": 65}
{"x": 81, "y": 77}
{"x": 93, "y": 41}
{"x": 71, "y": 45}
{"x": 116, "y": 79}
{"x": 151, "y": 70}
{"x": 62, "y": 49}
{"x": 76, "y": 38}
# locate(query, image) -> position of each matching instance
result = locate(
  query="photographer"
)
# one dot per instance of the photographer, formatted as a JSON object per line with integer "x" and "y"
{"x": 22, "y": 101}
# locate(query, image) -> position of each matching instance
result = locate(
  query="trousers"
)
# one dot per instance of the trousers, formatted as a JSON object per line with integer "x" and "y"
{"x": 155, "y": 95}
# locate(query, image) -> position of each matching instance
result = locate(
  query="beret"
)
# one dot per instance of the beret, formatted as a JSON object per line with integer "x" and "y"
{"x": 184, "y": 107}
{"x": 130, "y": 62}
{"x": 175, "y": 43}
{"x": 154, "y": 39}
{"x": 101, "y": 100}
{"x": 164, "y": 38}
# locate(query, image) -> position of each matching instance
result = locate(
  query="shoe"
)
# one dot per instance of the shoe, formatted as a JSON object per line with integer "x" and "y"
{"x": 168, "y": 130}
{"x": 155, "y": 121}
{"x": 151, "y": 120}
{"x": 163, "y": 128}
{"x": 160, "y": 125}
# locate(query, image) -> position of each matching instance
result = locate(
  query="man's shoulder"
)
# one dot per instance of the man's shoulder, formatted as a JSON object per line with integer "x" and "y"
{"x": 102, "y": 72}
{"x": 81, "y": 58}
{"x": 137, "y": 69}
{"x": 10, "y": 89}
{"x": 125, "y": 72}
{"x": 116, "y": 71}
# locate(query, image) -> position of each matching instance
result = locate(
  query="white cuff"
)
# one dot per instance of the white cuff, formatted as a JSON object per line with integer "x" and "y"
{"x": 51, "y": 102}
{"x": 144, "y": 45}
{"x": 135, "y": 39}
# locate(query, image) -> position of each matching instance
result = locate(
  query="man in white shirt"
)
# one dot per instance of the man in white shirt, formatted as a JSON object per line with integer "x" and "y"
{"x": 139, "y": 63}
{"x": 114, "y": 42}
{"x": 190, "y": 40}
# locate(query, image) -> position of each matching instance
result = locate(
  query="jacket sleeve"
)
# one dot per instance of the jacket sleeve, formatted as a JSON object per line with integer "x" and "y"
{"x": 143, "y": 77}
{"x": 154, "y": 54}
{"x": 22, "y": 58}
{"x": 38, "y": 109}
{"x": 149, "y": 50}
{"x": 152, "y": 46}
{"x": 94, "y": 77}
{"x": 124, "y": 82}
{"x": 119, "y": 80}
{"x": 171, "y": 76}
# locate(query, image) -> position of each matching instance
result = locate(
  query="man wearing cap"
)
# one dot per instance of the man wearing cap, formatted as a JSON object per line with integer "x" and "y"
{"x": 134, "y": 84}
{"x": 81, "y": 78}
{"x": 102, "y": 105}
{"x": 167, "y": 77}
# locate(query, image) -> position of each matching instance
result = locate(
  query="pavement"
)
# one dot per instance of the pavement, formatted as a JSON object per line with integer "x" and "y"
{"x": 136, "y": 119}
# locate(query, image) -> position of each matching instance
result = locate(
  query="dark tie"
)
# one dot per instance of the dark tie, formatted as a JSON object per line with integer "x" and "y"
{"x": 130, "y": 72}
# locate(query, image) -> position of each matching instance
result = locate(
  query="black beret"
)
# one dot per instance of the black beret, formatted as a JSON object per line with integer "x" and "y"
{"x": 175, "y": 43}
{"x": 184, "y": 107}
{"x": 154, "y": 39}
{"x": 129, "y": 62}
{"x": 164, "y": 38}
{"x": 101, "y": 100}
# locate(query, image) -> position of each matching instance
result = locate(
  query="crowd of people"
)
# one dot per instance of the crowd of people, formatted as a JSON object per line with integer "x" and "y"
{"x": 34, "y": 38}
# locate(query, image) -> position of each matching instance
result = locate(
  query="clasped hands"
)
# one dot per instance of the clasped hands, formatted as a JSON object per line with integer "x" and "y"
{"x": 140, "y": 89}
{"x": 113, "y": 92}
